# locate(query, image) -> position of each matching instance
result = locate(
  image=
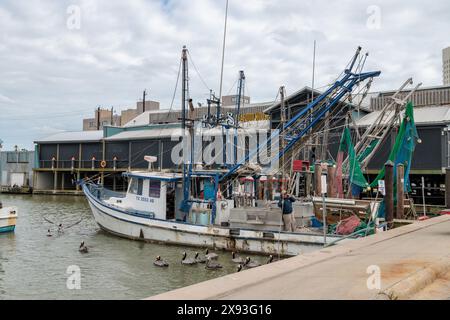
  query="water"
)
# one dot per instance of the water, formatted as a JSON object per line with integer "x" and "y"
{"x": 34, "y": 266}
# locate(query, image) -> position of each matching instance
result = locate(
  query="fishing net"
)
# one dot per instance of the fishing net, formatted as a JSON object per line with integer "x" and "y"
{"x": 404, "y": 146}
{"x": 355, "y": 174}
{"x": 402, "y": 153}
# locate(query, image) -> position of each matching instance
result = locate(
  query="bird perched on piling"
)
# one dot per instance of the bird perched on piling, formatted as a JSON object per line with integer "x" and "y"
{"x": 199, "y": 259}
{"x": 251, "y": 264}
{"x": 235, "y": 259}
{"x": 160, "y": 263}
{"x": 187, "y": 261}
{"x": 212, "y": 264}
{"x": 212, "y": 256}
{"x": 83, "y": 248}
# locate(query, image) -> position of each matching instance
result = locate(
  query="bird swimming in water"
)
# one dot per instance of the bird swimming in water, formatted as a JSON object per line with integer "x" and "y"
{"x": 235, "y": 259}
{"x": 187, "y": 261}
{"x": 199, "y": 259}
{"x": 83, "y": 248}
{"x": 251, "y": 264}
{"x": 160, "y": 263}
{"x": 212, "y": 256}
{"x": 49, "y": 234}
{"x": 211, "y": 264}
{"x": 270, "y": 259}
{"x": 60, "y": 228}
{"x": 239, "y": 268}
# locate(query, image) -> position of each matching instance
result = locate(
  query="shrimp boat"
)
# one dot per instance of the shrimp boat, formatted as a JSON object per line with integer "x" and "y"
{"x": 203, "y": 204}
{"x": 150, "y": 211}
{"x": 8, "y": 218}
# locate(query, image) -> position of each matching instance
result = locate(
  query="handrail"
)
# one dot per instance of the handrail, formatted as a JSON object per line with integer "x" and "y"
{"x": 352, "y": 235}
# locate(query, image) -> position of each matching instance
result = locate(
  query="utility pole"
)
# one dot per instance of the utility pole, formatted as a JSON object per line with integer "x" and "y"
{"x": 98, "y": 118}
{"x": 239, "y": 95}
{"x": 143, "y": 100}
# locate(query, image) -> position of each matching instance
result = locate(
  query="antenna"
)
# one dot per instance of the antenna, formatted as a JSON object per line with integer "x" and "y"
{"x": 223, "y": 51}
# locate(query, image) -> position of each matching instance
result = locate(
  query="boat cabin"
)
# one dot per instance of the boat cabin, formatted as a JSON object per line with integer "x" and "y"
{"x": 151, "y": 194}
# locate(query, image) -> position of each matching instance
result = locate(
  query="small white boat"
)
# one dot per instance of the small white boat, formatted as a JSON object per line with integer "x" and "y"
{"x": 150, "y": 211}
{"x": 8, "y": 218}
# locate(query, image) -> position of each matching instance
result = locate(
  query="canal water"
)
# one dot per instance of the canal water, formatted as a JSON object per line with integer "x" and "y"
{"x": 35, "y": 266}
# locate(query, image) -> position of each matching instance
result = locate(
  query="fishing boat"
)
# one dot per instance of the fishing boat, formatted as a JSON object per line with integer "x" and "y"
{"x": 150, "y": 211}
{"x": 8, "y": 217}
{"x": 203, "y": 204}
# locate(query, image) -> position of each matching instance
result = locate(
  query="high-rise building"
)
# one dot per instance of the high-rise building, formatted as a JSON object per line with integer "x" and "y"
{"x": 446, "y": 66}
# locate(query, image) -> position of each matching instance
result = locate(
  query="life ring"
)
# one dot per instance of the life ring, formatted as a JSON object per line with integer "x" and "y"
{"x": 103, "y": 164}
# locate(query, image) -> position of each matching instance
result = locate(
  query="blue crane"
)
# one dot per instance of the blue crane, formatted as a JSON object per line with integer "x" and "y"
{"x": 297, "y": 127}
{"x": 292, "y": 131}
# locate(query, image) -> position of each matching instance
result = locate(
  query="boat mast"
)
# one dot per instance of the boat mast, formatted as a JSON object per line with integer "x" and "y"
{"x": 185, "y": 207}
{"x": 223, "y": 60}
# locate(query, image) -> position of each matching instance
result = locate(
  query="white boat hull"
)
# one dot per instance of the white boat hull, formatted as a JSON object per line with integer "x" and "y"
{"x": 8, "y": 217}
{"x": 116, "y": 221}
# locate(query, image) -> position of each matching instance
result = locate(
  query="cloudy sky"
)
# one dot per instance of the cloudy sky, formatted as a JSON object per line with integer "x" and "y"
{"x": 55, "y": 69}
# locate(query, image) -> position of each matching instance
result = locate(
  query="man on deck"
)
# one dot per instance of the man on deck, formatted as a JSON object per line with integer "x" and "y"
{"x": 285, "y": 204}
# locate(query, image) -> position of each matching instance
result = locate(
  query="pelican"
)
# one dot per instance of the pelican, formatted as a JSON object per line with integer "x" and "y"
{"x": 83, "y": 248}
{"x": 187, "y": 261}
{"x": 160, "y": 263}
{"x": 211, "y": 264}
{"x": 199, "y": 259}
{"x": 237, "y": 259}
{"x": 212, "y": 256}
{"x": 251, "y": 264}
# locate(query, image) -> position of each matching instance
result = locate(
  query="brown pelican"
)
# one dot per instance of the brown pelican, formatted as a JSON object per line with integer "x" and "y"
{"x": 160, "y": 263}
{"x": 187, "y": 261}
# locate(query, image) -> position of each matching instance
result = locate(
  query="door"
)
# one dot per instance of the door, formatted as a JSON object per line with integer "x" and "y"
{"x": 17, "y": 179}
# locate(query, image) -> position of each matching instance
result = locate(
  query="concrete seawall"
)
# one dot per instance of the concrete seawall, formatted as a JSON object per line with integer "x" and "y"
{"x": 408, "y": 259}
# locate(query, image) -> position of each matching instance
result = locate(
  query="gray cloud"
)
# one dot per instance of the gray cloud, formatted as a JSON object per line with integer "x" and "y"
{"x": 51, "y": 77}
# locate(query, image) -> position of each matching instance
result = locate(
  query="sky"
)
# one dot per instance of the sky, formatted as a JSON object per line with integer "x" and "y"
{"x": 59, "y": 60}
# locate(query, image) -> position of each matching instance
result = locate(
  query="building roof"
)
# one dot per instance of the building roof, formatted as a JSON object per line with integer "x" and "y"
{"x": 422, "y": 115}
{"x": 306, "y": 89}
{"x": 388, "y": 92}
{"x": 143, "y": 118}
{"x": 146, "y": 134}
{"x": 74, "y": 136}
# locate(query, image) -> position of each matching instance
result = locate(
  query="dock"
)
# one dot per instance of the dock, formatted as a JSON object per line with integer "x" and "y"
{"x": 413, "y": 262}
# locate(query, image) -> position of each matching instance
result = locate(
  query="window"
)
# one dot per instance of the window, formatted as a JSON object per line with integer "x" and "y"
{"x": 136, "y": 186}
{"x": 17, "y": 157}
{"x": 140, "y": 187}
{"x": 133, "y": 186}
{"x": 154, "y": 189}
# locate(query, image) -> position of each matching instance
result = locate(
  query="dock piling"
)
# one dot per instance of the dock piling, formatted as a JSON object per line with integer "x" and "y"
{"x": 318, "y": 179}
{"x": 400, "y": 191}
{"x": 389, "y": 197}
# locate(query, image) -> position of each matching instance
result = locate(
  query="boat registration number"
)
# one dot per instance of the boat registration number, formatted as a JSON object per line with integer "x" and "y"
{"x": 144, "y": 199}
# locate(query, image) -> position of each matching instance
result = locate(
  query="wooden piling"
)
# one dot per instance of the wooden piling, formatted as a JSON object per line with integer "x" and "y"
{"x": 447, "y": 188}
{"x": 389, "y": 197}
{"x": 331, "y": 178}
{"x": 400, "y": 191}
{"x": 318, "y": 179}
